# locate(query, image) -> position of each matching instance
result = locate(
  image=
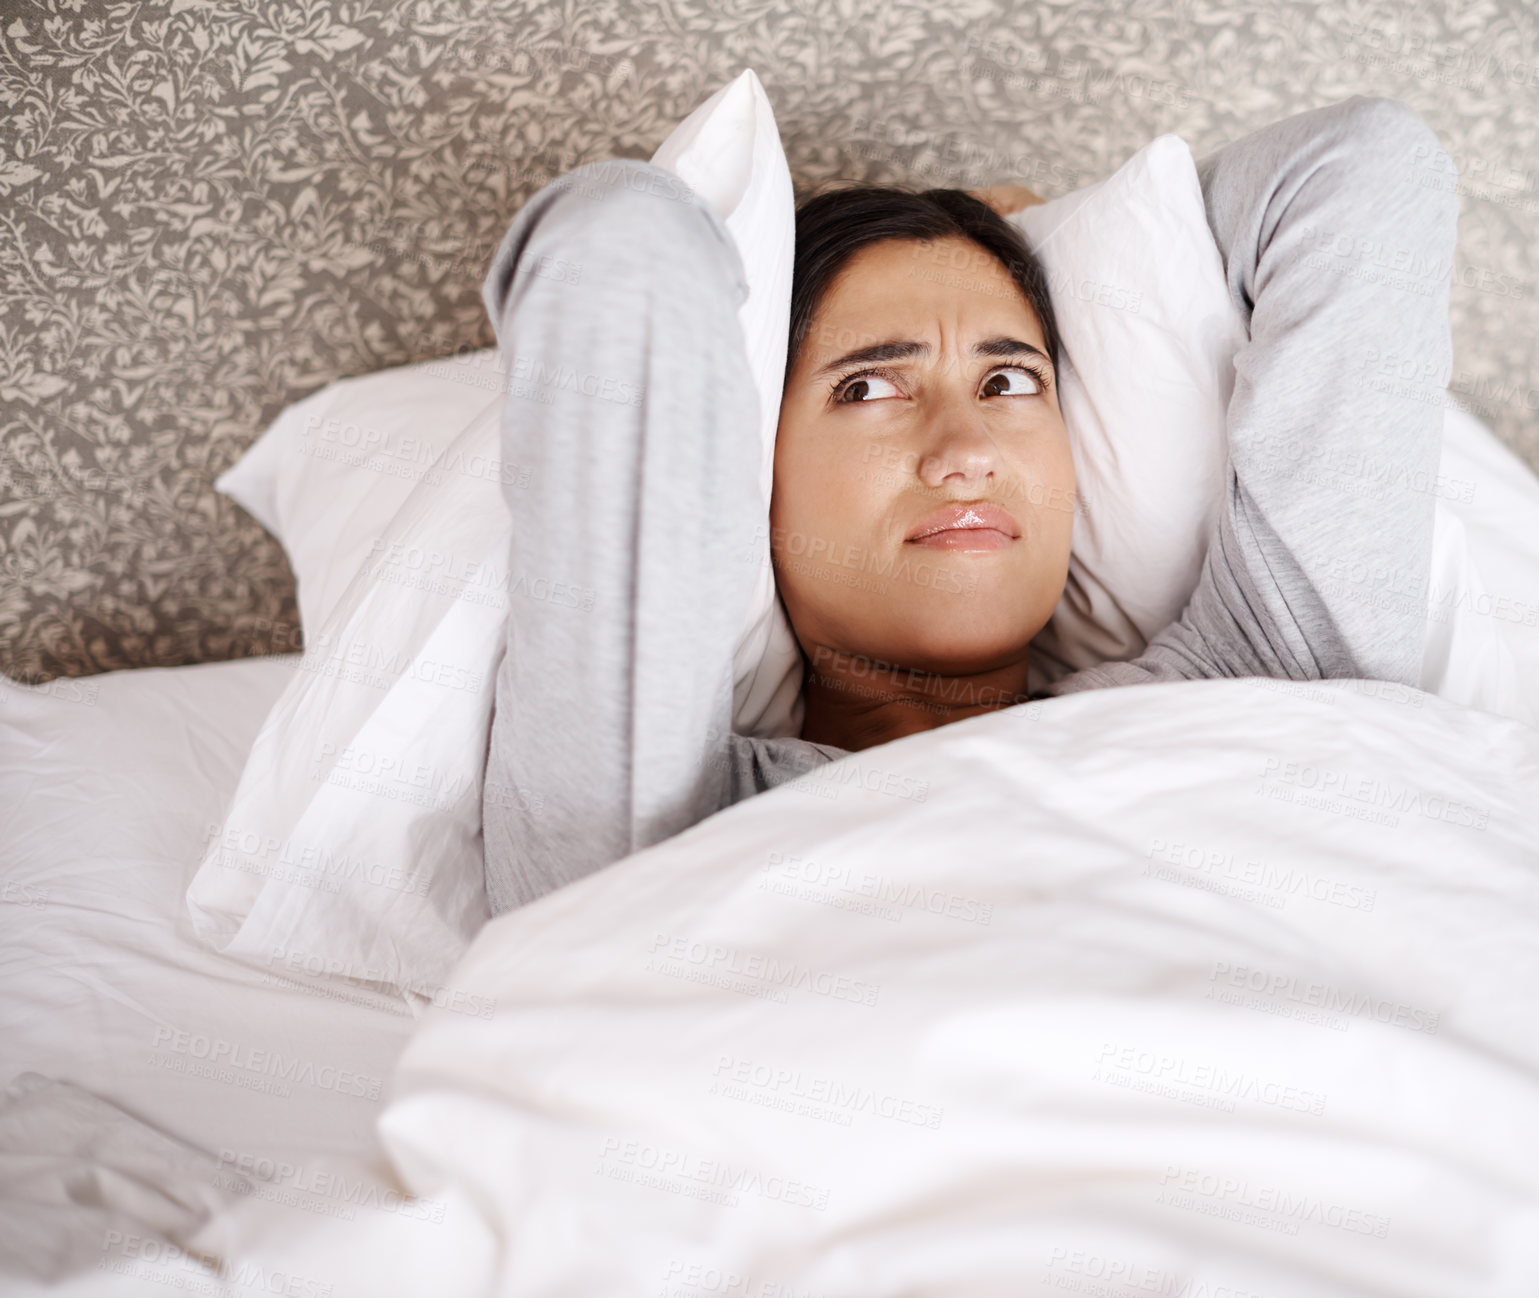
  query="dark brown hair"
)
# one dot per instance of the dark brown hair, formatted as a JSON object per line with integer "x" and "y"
{"x": 832, "y": 227}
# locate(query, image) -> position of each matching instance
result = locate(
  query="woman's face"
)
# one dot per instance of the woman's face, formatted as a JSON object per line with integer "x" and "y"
{"x": 878, "y": 458}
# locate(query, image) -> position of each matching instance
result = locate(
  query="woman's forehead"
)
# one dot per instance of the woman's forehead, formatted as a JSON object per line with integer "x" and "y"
{"x": 943, "y": 289}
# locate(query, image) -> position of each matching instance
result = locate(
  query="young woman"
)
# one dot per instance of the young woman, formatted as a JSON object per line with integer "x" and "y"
{"x": 920, "y": 439}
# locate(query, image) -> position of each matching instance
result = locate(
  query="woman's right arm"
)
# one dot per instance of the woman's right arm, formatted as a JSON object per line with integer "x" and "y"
{"x": 631, "y": 404}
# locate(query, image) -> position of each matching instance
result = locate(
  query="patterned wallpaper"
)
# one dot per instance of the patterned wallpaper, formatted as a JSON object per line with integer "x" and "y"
{"x": 210, "y": 208}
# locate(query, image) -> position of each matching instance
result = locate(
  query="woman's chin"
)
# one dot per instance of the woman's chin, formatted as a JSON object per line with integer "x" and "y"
{"x": 961, "y": 648}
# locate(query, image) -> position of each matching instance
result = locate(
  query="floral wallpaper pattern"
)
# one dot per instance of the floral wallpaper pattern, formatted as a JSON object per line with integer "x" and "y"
{"x": 210, "y": 208}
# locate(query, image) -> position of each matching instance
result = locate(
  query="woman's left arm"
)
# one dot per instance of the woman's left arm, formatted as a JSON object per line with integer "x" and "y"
{"x": 1337, "y": 231}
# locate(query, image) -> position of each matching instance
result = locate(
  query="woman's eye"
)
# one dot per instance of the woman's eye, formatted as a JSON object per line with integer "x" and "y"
{"x": 861, "y": 387}
{"x": 992, "y": 387}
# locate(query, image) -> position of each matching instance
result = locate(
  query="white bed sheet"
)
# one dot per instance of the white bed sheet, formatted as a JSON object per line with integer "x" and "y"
{"x": 107, "y": 786}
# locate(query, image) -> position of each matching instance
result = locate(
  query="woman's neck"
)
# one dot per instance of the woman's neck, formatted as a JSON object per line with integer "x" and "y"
{"x": 854, "y": 702}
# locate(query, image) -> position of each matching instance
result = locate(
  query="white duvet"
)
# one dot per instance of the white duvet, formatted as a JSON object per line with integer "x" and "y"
{"x": 1211, "y": 989}
{"x": 1207, "y": 990}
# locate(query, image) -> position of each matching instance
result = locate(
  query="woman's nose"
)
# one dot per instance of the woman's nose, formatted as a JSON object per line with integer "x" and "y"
{"x": 959, "y": 448}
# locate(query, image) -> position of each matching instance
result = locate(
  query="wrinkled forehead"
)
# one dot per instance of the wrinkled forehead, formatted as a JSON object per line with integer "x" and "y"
{"x": 912, "y": 289}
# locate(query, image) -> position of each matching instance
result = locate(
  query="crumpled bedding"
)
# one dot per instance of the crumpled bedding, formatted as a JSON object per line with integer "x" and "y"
{"x": 79, "y": 1176}
{"x": 147, "y": 1047}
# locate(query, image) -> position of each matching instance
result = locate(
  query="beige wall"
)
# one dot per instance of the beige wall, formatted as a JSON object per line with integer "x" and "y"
{"x": 206, "y": 216}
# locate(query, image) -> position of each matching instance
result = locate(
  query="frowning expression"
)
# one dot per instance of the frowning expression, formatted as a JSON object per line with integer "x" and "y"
{"x": 923, "y": 500}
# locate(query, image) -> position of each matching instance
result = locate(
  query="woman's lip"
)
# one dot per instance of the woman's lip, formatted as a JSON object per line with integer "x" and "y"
{"x": 965, "y": 538}
{"x": 983, "y": 525}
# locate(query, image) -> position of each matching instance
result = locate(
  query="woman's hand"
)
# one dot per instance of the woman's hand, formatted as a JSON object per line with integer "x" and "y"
{"x": 1006, "y": 199}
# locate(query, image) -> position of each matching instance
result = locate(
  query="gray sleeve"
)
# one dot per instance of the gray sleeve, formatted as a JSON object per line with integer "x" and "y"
{"x": 758, "y": 765}
{"x": 614, "y": 296}
{"x": 1337, "y": 235}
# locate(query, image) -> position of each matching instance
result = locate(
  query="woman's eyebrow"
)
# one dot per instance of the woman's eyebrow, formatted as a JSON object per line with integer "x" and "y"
{"x": 901, "y": 348}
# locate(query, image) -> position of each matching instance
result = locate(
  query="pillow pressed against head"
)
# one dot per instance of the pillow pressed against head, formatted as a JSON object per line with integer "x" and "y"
{"x": 923, "y": 502}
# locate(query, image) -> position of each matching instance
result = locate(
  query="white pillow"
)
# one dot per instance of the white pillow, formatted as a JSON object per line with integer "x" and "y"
{"x": 303, "y": 479}
{"x": 331, "y": 470}
{"x": 1482, "y": 633}
{"x": 728, "y": 150}
{"x": 1148, "y": 341}
{"x": 352, "y": 846}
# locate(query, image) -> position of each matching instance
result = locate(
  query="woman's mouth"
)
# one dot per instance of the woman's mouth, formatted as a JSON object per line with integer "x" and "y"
{"x": 963, "y": 526}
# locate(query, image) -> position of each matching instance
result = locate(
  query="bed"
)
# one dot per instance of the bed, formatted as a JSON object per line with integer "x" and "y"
{"x": 1219, "y": 990}
{"x": 1258, "y": 1015}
